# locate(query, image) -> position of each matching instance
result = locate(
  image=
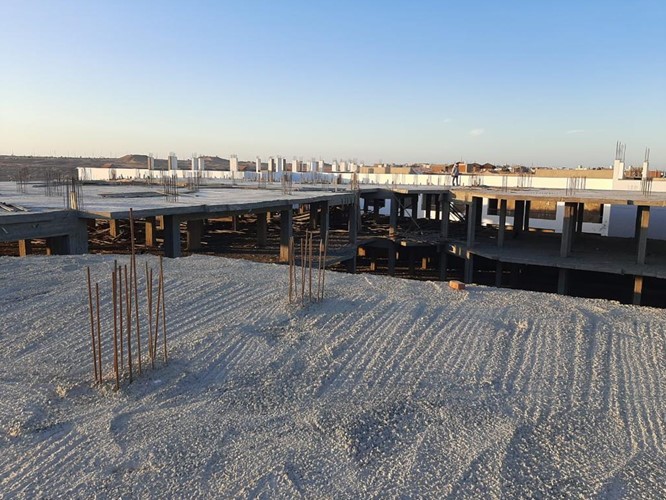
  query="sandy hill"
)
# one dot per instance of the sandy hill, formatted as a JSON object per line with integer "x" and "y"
{"x": 387, "y": 388}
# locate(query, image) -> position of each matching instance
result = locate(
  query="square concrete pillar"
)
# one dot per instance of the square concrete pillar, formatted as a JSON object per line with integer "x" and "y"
{"x": 445, "y": 201}
{"x": 323, "y": 219}
{"x": 568, "y": 228}
{"x": 262, "y": 229}
{"x": 638, "y": 290}
{"x": 286, "y": 232}
{"x": 563, "y": 281}
{"x": 391, "y": 257}
{"x": 171, "y": 236}
{"x": 195, "y": 232}
{"x": 501, "y": 229}
{"x": 469, "y": 268}
{"x": 643, "y": 222}
{"x": 393, "y": 219}
{"x": 375, "y": 209}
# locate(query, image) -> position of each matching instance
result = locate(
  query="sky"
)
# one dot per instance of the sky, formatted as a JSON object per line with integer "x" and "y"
{"x": 543, "y": 82}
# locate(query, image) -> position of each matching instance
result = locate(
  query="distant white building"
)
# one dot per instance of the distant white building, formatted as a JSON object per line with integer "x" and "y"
{"x": 172, "y": 163}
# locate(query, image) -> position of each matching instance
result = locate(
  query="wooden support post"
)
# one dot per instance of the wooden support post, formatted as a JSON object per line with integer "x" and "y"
{"x": 171, "y": 236}
{"x": 424, "y": 263}
{"x": 643, "y": 233}
{"x": 113, "y": 228}
{"x": 25, "y": 247}
{"x": 373, "y": 264}
{"x": 518, "y": 217}
{"x": 195, "y": 230}
{"x": 567, "y": 230}
{"x": 150, "y": 231}
{"x": 638, "y": 290}
{"x": 159, "y": 220}
{"x": 286, "y": 232}
{"x": 501, "y": 230}
{"x": 393, "y": 219}
{"x": 563, "y": 281}
{"x": 262, "y": 230}
{"x": 314, "y": 209}
{"x": 445, "y": 201}
{"x": 498, "y": 274}
{"x": 234, "y": 222}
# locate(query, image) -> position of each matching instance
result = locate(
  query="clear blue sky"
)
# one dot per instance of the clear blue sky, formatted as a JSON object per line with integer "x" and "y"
{"x": 531, "y": 82}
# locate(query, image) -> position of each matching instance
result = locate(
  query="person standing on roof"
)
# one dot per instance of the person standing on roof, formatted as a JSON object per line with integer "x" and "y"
{"x": 454, "y": 174}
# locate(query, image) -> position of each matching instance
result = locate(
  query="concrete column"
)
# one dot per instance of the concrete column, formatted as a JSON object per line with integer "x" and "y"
{"x": 415, "y": 207}
{"x": 113, "y": 228}
{"x": 472, "y": 212}
{"x": 77, "y": 240}
{"x": 445, "y": 200}
{"x": 469, "y": 268}
{"x": 563, "y": 281}
{"x": 323, "y": 219}
{"x": 580, "y": 212}
{"x": 567, "y": 230}
{"x": 438, "y": 204}
{"x": 57, "y": 245}
{"x": 526, "y": 219}
{"x": 518, "y": 217}
{"x": 286, "y": 232}
{"x": 375, "y": 209}
{"x": 25, "y": 247}
{"x": 642, "y": 228}
{"x": 391, "y": 258}
{"x": 393, "y": 219}
{"x": 426, "y": 203}
{"x": 352, "y": 224}
{"x": 262, "y": 229}
{"x": 498, "y": 274}
{"x": 501, "y": 230}
{"x": 195, "y": 231}
{"x": 638, "y": 290}
{"x": 150, "y": 231}
{"x": 171, "y": 236}
{"x": 443, "y": 261}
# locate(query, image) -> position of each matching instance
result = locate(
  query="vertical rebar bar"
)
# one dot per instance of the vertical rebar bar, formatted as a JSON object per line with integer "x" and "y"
{"x": 92, "y": 324}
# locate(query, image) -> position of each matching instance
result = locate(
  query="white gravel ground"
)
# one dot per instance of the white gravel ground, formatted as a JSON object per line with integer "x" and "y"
{"x": 388, "y": 388}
